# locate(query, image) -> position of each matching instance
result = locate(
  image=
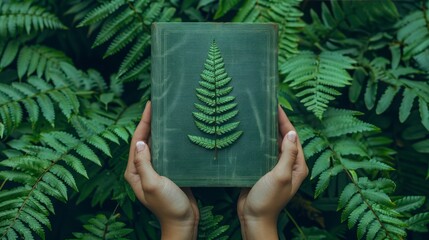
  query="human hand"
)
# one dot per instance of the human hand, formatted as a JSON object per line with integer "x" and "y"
{"x": 258, "y": 208}
{"x": 175, "y": 208}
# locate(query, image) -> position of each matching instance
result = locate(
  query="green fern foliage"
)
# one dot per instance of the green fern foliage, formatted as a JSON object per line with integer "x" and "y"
{"x": 22, "y": 17}
{"x": 334, "y": 149}
{"x": 367, "y": 206}
{"x": 285, "y": 13}
{"x": 209, "y": 227}
{"x": 125, "y": 24}
{"x": 317, "y": 78}
{"x": 218, "y": 106}
{"x": 342, "y": 18}
{"x": 414, "y": 31}
{"x": 403, "y": 82}
{"x": 103, "y": 228}
{"x": 40, "y": 60}
{"x": 42, "y": 173}
{"x": 38, "y": 98}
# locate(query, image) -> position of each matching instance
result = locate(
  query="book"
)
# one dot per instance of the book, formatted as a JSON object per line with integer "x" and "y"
{"x": 214, "y": 102}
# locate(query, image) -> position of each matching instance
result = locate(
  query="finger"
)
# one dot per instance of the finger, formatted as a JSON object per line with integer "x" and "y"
{"x": 142, "y": 131}
{"x": 136, "y": 185}
{"x": 142, "y": 161}
{"x": 284, "y": 124}
{"x": 283, "y": 169}
{"x": 140, "y": 134}
{"x": 241, "y": 200}
{"x": 300, "y": 172}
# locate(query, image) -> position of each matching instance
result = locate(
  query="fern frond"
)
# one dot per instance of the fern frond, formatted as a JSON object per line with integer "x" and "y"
{"x": 35, "y": 96}
{"x": 101, "y": 227}
{"x": 397, "y": 80}
{"x": 21, "y": 17}
{"x": 335, "y": 22}
{"x": 101, "y": 12}
{"x": 217, "y": 105}
{"x": 316, "y": 77}
{"x": 42, "y": 172}
{"x": 39, "y": 59}
{"x": 285, "y": 13}
{"x": 209, "y": 226}
{"x": 126, "y": 24}
{"x": 413, "y": 30}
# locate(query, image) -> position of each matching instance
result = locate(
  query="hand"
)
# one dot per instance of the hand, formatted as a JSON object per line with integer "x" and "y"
{"x": 175, "y": 208}
{"x": 258, "y": 208}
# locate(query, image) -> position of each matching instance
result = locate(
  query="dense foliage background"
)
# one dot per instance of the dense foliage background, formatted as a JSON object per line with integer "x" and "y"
{"x": 75, "y": 75}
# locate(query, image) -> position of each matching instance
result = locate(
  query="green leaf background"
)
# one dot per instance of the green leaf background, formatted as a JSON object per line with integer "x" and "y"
{"x": 75, "y": 76}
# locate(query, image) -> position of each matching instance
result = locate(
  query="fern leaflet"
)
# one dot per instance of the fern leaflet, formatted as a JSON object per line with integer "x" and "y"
{"x": 316, "y": 77}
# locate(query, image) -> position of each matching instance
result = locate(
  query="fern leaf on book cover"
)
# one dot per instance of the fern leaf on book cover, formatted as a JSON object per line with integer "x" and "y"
{"x": 217, "y": 107}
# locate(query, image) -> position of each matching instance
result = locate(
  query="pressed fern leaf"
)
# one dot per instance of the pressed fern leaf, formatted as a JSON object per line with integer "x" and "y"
{"x": 218, "y": 106}
{"x": 103, "y": 228}
{"x": 316, "y": 78}
{"x": 22, "y": 17}
{"x": 284, "y": 12}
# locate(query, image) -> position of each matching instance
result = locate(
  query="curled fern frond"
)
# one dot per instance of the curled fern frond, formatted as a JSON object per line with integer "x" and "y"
{"x": 103, "y": 228}
{"x": 22, "y": 17}
{"x": 316, "y": 78}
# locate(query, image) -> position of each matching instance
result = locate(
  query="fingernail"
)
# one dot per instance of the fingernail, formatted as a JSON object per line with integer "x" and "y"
{"x": 291, "y": 135}
{"x": 140, "y": 145}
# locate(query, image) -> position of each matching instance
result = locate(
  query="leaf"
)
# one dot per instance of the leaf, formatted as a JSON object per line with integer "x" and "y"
{"x": 102, "y": 12}
{"x": 406, "y": 104}
{"x": 316, "y": 77}
{"x": 9, "y": 54}
{"x": 224, "y": 7}
{"x": 386, "y": 99}
{"x": 409, "y": 203}
{"x": 422, "y": 146}
{"x": 217, "y": 107}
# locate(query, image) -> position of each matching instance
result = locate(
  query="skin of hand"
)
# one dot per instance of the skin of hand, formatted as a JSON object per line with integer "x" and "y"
{"x": 258, "y": 208}
{"x": 175, "y": 208}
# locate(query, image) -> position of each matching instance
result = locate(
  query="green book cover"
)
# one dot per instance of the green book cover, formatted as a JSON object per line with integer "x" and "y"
{"x": 214, "y": 102}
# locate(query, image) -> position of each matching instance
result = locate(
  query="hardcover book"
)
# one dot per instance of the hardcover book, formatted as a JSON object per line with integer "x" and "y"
{"x": 214, "y": 102}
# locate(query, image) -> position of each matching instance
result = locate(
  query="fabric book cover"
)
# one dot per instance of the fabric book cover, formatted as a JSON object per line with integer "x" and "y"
{"x": 214, "y": 102}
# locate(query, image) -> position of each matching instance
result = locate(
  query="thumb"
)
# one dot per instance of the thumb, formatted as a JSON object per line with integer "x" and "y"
{"x": 283, "y": 169}
{"x": 142, "y": 162}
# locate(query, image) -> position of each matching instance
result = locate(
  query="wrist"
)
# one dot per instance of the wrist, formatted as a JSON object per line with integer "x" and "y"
{"x": 179, "y": 230}
{"x": 259, "y": 228}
